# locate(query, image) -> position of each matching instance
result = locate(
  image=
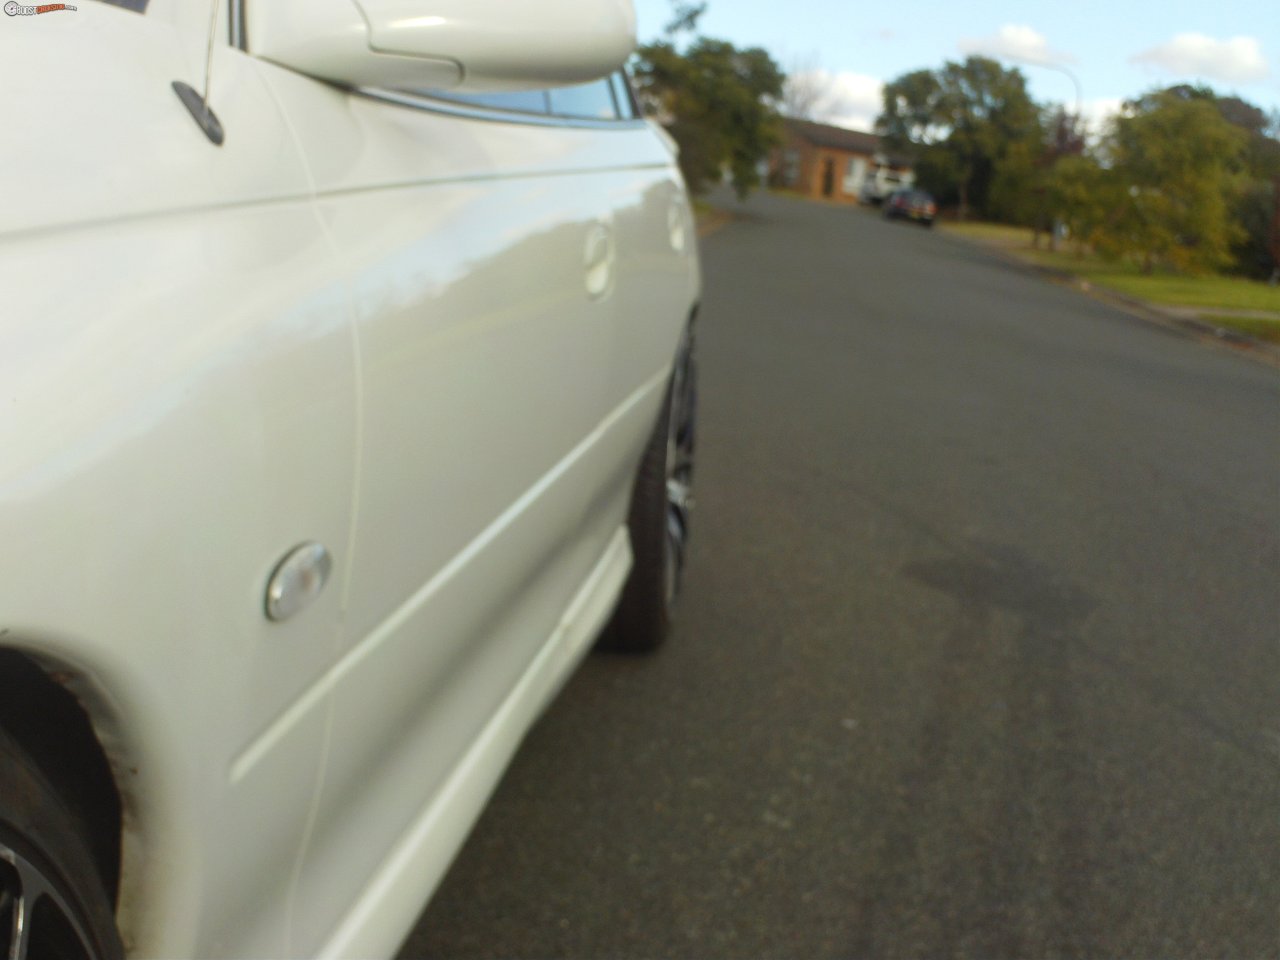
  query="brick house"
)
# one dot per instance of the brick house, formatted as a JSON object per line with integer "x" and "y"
{"x": 820, "y": 160}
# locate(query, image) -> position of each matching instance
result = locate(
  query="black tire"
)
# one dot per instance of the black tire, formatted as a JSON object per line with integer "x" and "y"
{"x": 659, "y": 517}
{"x": 47, "y": 873}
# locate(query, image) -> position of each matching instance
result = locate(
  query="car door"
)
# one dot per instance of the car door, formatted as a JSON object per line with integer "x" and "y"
{"x": 179, "y": 412}
{"x": 481, "y": 251}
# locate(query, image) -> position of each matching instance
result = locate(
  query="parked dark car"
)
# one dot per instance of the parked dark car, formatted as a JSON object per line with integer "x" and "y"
{"x": 913, "y": 204}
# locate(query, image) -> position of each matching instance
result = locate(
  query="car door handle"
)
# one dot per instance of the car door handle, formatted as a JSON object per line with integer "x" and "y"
{"x": 599, "y": 259}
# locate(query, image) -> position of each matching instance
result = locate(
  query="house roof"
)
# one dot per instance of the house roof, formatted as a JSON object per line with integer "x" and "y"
{"x": 841, "y": 138}
{"x": 837, "y": 138}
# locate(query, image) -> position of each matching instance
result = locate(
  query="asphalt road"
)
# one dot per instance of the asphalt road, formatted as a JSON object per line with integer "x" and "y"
{"x": 979, "y": 654}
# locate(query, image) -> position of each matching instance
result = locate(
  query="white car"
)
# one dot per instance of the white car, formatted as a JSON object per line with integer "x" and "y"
{"x": 341, "y": 410}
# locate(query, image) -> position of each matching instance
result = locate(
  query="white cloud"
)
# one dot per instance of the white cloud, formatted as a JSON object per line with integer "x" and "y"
{"x": 1097, "y": 112}
{"x": 1016, "y": 42}
{"x": 1238, "y": 60}
{"x": 843, "y": 98}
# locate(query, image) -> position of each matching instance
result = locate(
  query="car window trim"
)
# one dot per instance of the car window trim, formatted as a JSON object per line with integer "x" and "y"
{"x": 474, "y": 104}
{"x": 235, "y": 26}
{"x": 620, "y": 82}
{"x": 495, "y": 114}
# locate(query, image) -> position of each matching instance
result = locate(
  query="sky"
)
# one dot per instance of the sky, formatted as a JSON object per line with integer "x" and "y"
{"x": 1113, "y": 50}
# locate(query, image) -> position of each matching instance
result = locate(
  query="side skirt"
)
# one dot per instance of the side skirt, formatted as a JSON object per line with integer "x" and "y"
{"x": 378, "y": 922}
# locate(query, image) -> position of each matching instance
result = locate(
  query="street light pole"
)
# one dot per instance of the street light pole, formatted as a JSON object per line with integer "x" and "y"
{"x": 1075, "y": 82}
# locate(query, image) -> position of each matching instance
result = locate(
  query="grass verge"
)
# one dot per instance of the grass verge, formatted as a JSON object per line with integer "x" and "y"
{"x": 1204, "y": 294}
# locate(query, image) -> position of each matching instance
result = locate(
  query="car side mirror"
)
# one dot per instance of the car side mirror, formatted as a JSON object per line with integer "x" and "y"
{"x": 466, "y": 45}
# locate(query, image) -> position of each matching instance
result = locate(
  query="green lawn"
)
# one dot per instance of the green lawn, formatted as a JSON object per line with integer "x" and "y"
{"x": 996, "y": 234}
{"x": 1207, "y": 293}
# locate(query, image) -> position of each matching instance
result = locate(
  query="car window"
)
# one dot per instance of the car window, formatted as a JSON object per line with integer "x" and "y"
{"x": 139, "y": 6}
{"x": 610, "y": 98}
{"x": 588, "y": 100}
{"x": 521, "y": 101}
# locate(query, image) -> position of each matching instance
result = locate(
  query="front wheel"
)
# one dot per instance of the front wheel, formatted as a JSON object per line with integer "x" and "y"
{"x": 659, "y": 517}
{"x": 52, "y": 900}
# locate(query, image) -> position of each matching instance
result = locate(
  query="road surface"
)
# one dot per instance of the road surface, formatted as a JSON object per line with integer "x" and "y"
{"x": 979, "y": 653}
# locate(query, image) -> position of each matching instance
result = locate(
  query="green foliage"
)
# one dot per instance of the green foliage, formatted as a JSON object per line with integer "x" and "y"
{"x": 1255, "y": 250}
{"x": 1038, "y": 195}
{"x": 913, "y": 111}
{"x": 938, "y": 171}
{"x": 1185, "y": 178}
{"x": 1085, "y": 197}
{"x": 685, "y": 15}
{"x": 717, "y": 102}
{"x": 979, "y": 117}
{"x": 1178, "y": 162}
{"x": 1018, "y": 185}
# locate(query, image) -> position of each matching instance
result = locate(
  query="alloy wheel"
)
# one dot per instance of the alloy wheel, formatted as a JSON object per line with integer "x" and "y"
{"x": 679, "y": 468}
{"x": 36, "y": 920}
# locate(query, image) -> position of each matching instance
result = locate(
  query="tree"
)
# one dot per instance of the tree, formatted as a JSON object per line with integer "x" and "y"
{"x": 1017, "y": 183}
{"x": 717, "y": 102}
{"x": 1253, "y": 206}
{"x": 1179, "y": 162}
{"x": 1085, "y": 196}
{"x": 1064, "y": 134}
{"x": 685, "y": 15}
{"x": 914, "y": 112}
{"x": 1257, "y": 206}
{"x": 1257, "y": 250}
{"x": 977, "y": 114}
{"x": 1064, "y": 138}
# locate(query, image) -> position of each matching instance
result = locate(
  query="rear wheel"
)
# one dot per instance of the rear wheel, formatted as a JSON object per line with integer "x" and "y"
{"x": 659, "y": 516}
{"x": 53, "y": 905}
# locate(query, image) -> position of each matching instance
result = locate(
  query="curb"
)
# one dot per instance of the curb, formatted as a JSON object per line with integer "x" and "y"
{"x": 1268, "y": 353}
{"x": 1154, "y": 313}
{"x": 713, "y": 221}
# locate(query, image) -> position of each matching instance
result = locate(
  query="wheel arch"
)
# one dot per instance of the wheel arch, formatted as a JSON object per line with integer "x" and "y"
{"x": 50, "y": 709}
